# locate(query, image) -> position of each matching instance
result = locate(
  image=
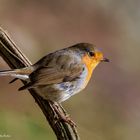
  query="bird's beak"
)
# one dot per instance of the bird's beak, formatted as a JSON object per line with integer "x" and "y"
{"x": 105, "y": 60}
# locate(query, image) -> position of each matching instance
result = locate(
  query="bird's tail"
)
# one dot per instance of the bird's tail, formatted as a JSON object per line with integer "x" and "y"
{"x": 17, "y": 73}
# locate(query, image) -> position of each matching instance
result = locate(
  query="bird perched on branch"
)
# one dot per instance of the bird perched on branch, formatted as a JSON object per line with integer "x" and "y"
{"x": 61, "y": 74}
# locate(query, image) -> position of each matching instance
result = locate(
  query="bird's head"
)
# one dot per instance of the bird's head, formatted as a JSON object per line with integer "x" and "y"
{"x": 91, "y": 56}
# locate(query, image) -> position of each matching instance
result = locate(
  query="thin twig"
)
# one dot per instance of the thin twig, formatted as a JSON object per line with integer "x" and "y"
{"x": 16, "y": 59}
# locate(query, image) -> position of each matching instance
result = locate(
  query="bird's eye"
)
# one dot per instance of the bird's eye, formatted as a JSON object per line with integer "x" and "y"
{"x": 91, "y": 54}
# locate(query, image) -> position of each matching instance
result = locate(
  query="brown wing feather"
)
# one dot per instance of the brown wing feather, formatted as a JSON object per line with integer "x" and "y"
{"x": 57, "y": 73}
{"x": 46, "y": 76}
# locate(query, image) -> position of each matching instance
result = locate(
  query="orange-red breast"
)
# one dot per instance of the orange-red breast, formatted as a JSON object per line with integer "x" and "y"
{"x": 61, "y": 74}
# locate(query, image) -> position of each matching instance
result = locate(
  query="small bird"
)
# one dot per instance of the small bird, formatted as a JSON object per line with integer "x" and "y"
{"x": 61, "y": 74}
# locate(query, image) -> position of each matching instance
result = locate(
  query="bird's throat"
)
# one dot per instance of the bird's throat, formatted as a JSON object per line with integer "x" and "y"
{"x": 90, "y": 65}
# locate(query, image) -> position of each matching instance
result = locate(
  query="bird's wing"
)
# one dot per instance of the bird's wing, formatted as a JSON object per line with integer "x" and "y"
{"x": 54, "y": 74}
{"x": 46, "y": 76}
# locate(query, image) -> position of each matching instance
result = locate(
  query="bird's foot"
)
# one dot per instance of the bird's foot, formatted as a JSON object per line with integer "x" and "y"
{"x": 62, "y": 117}
{"x": 67, "y": 119}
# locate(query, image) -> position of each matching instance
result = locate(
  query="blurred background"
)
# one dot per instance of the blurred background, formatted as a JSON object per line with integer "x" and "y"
{"x": 109, "y": 108}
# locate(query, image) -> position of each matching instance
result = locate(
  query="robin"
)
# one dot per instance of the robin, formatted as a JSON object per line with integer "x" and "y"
{"x": 61, "y": 74}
